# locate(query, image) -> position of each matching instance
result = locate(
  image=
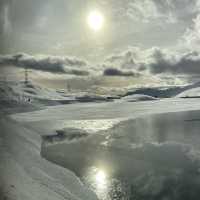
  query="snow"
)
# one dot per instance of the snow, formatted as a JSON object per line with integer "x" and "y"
{"x": 111, "y": 110}
{"x": 31, "y": 93}
{"x": 154, "y": 144}
{"x": 165, "y": 92}
{"x": 14, "y": 90}
{"x": 25, "y": 175}
{"x": 194, "y": 92}
{"x": 153, "y": 141}
{"x": 138, "y": 97}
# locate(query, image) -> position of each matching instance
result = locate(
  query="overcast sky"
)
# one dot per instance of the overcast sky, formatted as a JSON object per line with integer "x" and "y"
{"x": 138, "y": 36}
{"x": 60, "y": 27}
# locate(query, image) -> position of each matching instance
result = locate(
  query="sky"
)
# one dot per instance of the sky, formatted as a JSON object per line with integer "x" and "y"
{"x": 158, "y": 36}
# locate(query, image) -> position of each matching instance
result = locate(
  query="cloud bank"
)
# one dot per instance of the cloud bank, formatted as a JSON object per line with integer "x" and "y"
{"x": 157, "y": 61}
{"x": 54, "y": 64}
{"x": 187, "y": 63}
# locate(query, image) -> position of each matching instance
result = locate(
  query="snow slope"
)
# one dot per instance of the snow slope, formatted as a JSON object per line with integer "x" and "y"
{"x": 24, "y": 175}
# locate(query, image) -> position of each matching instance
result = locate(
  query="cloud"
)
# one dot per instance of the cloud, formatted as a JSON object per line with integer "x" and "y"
{"x": 135, "y": 22}
{"x": 156, "y": 61}
{"x": 168, "y": 11}
{"x": 191, "y": 37}
{"x": 125, "y": 60}
{"x": 54, "y": 64}
{"x": 146, "y": 10}
{"x": 117, "y": 72}
{"x": 187, "y": 63}
{"x": 122, "y": 64}
{"x": 5, "y": 22}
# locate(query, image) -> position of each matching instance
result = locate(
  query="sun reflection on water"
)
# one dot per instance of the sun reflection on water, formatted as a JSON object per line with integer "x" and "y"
{"x": 100, "y": 177}
{"x": 98, "y": 181}
{"x": 104, "y": 185}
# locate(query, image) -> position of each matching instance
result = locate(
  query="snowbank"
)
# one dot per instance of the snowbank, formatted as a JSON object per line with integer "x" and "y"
{"x": 24, "y": 175}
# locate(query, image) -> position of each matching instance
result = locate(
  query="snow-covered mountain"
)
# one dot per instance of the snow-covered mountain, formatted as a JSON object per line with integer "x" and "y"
{"x": 164, "y": 92}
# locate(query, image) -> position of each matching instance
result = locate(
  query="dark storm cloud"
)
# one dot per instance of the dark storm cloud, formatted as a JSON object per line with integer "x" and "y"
{"x": 185, "y": 64}
{"x": 117, "y": 72}
{"x": 157, "y": 61}
{"x": 55, "y": 64}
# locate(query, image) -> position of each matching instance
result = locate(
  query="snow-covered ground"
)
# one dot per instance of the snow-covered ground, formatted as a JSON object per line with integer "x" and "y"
{"x": 12, "y": 93}
{"x": 25, "y": 175}
{"x": 138, "y": 97}
{"x": 154, "y": 145}
{"x": 108, "y": 110}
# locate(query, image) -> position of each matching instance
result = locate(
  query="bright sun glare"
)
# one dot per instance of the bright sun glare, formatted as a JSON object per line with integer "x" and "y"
{"x": 100, "y": 177}
{"x": 95, "y": 20}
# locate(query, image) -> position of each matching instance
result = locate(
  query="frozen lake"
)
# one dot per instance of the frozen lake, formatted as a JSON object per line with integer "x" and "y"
{"x": 163, "y": 148}
{"x": 142, "y": 150}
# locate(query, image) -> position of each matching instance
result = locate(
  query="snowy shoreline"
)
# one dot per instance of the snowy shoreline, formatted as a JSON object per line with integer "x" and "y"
{"x": 26, "y": 175}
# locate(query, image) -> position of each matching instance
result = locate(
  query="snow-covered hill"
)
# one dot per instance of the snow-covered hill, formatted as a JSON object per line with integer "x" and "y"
{"x": 12, "y": 93}
{"x": 164, "y": 92}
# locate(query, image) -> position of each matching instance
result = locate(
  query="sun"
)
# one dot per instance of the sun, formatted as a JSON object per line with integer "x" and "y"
{"x": 95, "y": 20}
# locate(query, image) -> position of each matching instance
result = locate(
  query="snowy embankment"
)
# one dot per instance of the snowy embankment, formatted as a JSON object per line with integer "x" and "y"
{"x": 154, "y": 144}
{"x": 24, "y": 175}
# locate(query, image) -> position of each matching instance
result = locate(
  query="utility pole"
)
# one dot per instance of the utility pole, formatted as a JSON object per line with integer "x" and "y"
{"x": 26, "y": 76}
